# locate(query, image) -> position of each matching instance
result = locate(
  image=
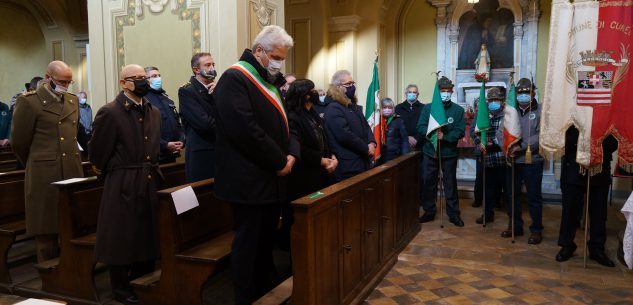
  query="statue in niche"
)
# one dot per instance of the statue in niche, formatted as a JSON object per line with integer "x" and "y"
{"x": 482, "y": 64}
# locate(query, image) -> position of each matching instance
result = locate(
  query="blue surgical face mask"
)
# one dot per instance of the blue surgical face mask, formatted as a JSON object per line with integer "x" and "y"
{"x": 82, "y": 101}
{"x": 322, "y": 99}
{"x": 446, "y": 96}
{"x": 411, "y": 97}
{"x": 494, "y": 106}
{"x": 156, "y": 83}
{"x": 524, "y": 98}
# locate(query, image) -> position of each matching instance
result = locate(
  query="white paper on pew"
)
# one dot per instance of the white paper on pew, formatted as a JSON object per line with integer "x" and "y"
{"x": 79, "y": 146}
{"x": 184, "y": 199}
{"x": 38, "y": 302}
{"x": 71, "y": 180}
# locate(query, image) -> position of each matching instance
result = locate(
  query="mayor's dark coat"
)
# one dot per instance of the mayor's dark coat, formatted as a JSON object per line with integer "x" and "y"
{"x": 124, "y": 148}
{"x": 253, "y": 140}
{"x": 349, "y": 136}
{"x": 44, "y": 138}
{"x": 195, "y": 111}
{"x": 308, "y": 175}
{"x": 170, "y": 128}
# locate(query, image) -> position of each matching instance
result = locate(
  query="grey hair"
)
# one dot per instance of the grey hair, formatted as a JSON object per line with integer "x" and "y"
{"x": 387, "y": 101}
{"x": 150, "y": 68}
{"x": 337, "y": 78}
{"x": 272, "y": 36}
{"x": 412, "y": 86}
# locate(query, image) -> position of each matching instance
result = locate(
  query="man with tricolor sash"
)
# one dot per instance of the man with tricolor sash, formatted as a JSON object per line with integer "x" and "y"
{"x": 443, "y": 123}
{"x": 522, "y": 121}
{"x": 255, "y": 152}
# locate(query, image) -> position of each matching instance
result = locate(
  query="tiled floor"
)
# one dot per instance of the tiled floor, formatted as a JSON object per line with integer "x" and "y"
{"x": 474, "y": 265}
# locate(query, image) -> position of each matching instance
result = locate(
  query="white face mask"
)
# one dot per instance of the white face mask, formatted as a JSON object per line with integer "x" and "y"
{"x": 274, "y": 66}
{"x": 60, "y": 89}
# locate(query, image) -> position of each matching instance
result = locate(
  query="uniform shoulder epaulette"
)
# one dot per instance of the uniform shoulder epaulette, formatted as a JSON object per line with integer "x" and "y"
{"x": 187, "y": 84}
{"x": 71, "y": 94}
{"x": 29, "y": 93}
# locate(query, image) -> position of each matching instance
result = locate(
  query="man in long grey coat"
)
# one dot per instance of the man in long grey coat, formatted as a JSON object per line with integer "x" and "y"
{"x": 124, "y": 149}
{"x": 44, "y": 138}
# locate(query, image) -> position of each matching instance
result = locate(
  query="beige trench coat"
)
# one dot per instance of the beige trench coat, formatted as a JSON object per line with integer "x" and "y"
{"x": 44, "y": 139}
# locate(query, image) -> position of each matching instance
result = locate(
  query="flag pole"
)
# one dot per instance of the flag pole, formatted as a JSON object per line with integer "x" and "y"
{"x": 483, "y": 163}
{"x": 513, "y": 200}
{"x": 586, "y": 220}
{"x": 441, "y": 181}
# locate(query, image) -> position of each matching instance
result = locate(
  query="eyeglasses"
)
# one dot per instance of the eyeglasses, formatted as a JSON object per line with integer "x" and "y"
{"x": 64, "y": 83}
{"x": 132, "y": 79}
{"x": 349, "y": 84}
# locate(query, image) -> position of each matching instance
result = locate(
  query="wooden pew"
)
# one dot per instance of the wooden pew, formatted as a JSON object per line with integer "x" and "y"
{"x": 71, "y": 276}
{"x": 193, "y": 246}
{"x": 12, "y": 222}
{"x": 12, "y": 225}
{"x": 8, "y": 165}
{"x": 7, "y": 155}
{"x": 347, "y": 237}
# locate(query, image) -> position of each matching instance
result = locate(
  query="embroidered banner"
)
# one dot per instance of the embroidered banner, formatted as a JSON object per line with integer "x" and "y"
{"x": 588, "y": 83}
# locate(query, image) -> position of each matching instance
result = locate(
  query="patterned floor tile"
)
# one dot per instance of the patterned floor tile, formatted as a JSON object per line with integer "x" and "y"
{"x": 473, "y": 265}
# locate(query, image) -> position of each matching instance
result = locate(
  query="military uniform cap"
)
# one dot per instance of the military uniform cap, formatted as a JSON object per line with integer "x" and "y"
{"x": 525, "y": 85}
{"x": 445, "y": 83}
{"x": 495, "y": 93}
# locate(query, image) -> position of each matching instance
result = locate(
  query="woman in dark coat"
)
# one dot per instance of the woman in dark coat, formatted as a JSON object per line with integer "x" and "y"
{"x": 397, "y": 139}
{"x": 312, "y": 171}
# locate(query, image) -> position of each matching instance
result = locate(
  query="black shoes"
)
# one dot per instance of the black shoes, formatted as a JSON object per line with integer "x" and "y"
{"x": 480, "y": 219}
{"x": 457, "y": 221}
{"x": 565, "y": 253}
{"x": 427, "y": 217}
{"x": 508, "y": 233}
{"x": 476, "y": 204}
{"x": 535, "y": 238}
{"x": 602, "y": 259}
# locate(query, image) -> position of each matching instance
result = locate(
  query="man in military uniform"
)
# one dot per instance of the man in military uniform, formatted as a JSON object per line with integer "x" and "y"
{"x": 44, "y": 139}
{"x": 195, "y": 109}
{"x": 448, "y": 136}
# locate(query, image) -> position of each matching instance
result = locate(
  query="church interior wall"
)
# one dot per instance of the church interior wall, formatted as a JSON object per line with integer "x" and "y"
{"x": 34, "y": 36}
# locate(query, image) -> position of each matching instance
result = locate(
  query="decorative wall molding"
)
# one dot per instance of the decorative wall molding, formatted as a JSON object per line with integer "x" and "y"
{"x": 263, "y": 12}
{"x": 343, "y": 23}
{"x": 44, "y": 14}
{"x": 129, "y": 16}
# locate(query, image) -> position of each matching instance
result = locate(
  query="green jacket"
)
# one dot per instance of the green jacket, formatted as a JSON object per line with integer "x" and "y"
{"x": 453, "y": 130}
{"x": 5, "y": 121}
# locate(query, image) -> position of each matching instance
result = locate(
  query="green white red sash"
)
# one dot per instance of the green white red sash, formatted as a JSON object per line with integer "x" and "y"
{"x": 268, "y": 90}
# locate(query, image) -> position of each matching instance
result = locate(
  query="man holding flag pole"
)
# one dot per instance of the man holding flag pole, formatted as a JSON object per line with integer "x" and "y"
{"x": 443, "y": 123}
{"x": 521, "y": 143}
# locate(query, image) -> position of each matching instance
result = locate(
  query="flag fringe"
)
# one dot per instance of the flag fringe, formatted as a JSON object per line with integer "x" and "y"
{"x": 627, "y": 166}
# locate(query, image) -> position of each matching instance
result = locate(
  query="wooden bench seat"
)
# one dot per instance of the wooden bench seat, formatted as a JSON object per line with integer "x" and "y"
{"x": 212, "y": 251}
{"x": 89, "y": 240}
{"x": 12, "y": 223}
{"x": 193, "y": 246}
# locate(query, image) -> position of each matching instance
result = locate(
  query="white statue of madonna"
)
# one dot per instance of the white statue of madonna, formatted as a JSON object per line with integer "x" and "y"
{"x": 482, "y": 63}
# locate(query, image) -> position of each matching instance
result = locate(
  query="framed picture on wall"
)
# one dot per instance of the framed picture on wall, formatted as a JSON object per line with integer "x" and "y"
{"x": 58, "y": 50}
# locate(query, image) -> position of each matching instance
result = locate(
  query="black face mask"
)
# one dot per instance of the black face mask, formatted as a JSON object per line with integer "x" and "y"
{"x": 141, "y": 87}
{"x": 350, "y": 91}
{"x": 210, "y": 74}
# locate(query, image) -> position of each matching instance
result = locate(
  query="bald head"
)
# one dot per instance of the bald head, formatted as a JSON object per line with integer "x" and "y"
{"x": 132, "y": 76}
{"x": 131, "y": 70}
{"x": 59, "y": 73}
